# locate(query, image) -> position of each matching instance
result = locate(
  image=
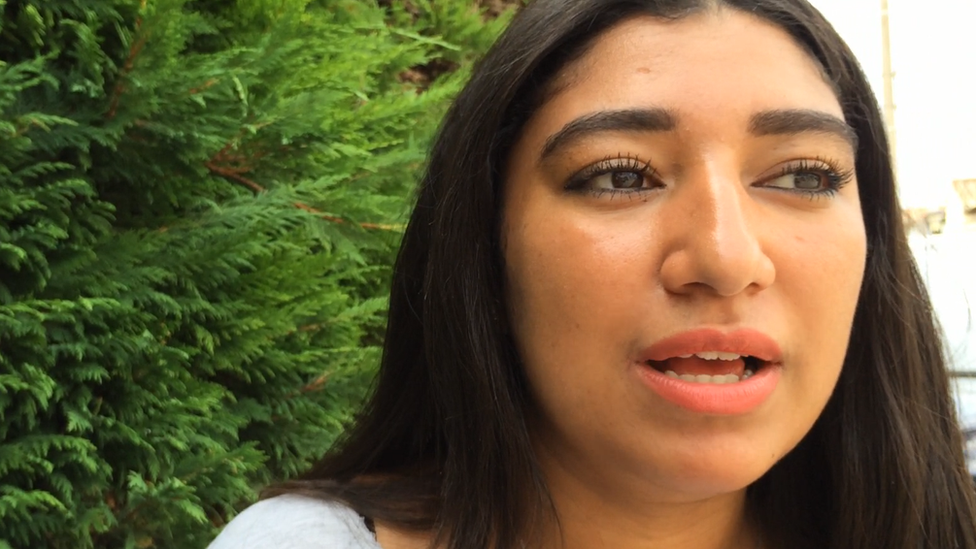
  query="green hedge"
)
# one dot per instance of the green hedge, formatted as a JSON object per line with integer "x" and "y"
{"x": 199, "y": 203}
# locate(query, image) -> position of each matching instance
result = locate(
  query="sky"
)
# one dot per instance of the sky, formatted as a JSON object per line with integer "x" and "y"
{"x": 934, "y": 61}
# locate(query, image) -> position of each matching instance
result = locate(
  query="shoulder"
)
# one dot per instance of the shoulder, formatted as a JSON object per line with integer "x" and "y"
{"x": 295, "y": 522}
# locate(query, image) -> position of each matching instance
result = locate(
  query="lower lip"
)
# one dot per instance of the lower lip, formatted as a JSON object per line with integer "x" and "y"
{"x": 712, "y": 398}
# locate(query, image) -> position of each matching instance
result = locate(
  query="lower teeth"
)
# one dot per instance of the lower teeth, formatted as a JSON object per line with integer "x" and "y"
{"x": 717, "y": 380}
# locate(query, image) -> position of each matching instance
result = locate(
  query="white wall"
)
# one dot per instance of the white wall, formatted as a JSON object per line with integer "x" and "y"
{"x": 934, "y": 59}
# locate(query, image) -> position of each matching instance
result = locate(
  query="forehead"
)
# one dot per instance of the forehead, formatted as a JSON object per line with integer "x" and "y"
{"x": 716, "y": 63}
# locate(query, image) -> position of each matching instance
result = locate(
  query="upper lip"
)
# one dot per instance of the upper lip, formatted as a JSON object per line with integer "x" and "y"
{"x": 743, "y": 342}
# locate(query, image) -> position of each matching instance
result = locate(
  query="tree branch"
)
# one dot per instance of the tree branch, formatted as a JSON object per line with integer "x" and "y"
{"x": 134, "y": 51}
{"x": 216, "y": 165}
{"x": 234, "y": 176}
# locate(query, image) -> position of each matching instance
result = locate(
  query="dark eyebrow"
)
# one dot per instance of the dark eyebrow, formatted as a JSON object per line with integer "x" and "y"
{"x": 630, "y": 120}
{"x": 774, "y": 122}
{"x": 797, "y": 121}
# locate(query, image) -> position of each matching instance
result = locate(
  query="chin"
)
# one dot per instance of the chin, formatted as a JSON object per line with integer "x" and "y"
{"x": 701, "y": 485}
{"x": 701, "y": 472}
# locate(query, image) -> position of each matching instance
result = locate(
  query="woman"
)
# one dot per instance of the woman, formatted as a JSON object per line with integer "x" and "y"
{"x": 655, "y": 293}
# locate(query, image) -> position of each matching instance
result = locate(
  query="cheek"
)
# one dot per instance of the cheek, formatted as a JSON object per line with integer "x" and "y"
{"x": 828, "y": 262}
{"x": 820, "y": 273}
{"x": 572, "y": 280}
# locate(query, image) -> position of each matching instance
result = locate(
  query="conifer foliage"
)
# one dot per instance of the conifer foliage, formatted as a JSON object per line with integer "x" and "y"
{"x": 199, "y": 201}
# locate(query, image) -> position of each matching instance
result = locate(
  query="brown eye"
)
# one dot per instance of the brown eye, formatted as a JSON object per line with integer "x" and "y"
{"x": 618, "y": 181}
{"x": 809, "y": 177}
{"x": 615, "y": 175}
{"x": 626, "y": 180}
{"x": 801, "y": 181}
{"x": 809, "y": 181}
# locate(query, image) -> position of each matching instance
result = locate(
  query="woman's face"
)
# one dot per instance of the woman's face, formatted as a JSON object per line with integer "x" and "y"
{"x": 682, "y": 205}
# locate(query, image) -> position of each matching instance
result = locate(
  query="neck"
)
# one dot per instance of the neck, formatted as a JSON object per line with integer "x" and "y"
{"x": 632, "y": 517}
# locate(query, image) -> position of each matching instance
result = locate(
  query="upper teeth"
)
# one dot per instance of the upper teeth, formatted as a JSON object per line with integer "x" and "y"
{"x": 713, "y": 355}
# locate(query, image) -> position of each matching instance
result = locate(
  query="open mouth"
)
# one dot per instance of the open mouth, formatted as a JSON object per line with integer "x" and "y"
{"x": 711, "y": 371}
{"x": 709, "y": 367}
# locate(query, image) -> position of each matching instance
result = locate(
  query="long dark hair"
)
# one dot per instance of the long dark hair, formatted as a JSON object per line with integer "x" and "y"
{"x": 442, "y": 445}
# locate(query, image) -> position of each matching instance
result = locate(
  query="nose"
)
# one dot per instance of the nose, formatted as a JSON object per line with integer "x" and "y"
{"x": 715, "y": 243}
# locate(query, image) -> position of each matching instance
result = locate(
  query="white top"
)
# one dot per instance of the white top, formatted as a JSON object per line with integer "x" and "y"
{"x": 296, "y": 522}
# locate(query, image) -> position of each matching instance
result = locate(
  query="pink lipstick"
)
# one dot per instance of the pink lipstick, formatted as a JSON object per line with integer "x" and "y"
{"x": 663, "y": 368}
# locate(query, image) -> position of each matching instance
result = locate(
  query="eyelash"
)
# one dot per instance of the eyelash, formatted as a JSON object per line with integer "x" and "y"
{"x": 836, "y": 178}
{"x": 619, "y": 163}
